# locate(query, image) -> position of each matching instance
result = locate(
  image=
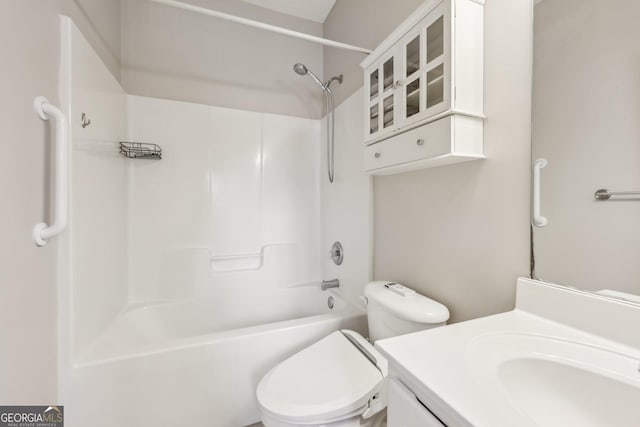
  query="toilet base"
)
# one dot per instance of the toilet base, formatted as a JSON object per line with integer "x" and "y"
{"x": 378, "y": 420}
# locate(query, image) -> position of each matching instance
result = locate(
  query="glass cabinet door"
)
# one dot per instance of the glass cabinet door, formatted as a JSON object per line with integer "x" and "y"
{"x": 412, "y": 76}
{"x": 423, "y": 52}
{"x": 388, "y": 87}
{"x": 435, "y": 64}
{"x": 410, "y": 82}
{"x": 374, "y": 109}
{"x": 381, "y": 89}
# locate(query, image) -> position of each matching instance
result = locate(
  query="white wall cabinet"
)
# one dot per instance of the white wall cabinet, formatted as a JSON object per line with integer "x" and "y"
{"x": 429, "y": 69}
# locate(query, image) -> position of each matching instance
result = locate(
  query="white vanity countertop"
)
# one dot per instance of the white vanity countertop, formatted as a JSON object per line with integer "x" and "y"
{"x": 438, "y": 365}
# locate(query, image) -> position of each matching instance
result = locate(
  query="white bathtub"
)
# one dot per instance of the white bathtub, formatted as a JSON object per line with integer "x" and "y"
{"x": 197, "y": 363}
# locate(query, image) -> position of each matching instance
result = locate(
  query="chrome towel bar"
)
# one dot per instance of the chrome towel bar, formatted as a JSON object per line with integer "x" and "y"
{"x": 604, "y": 194}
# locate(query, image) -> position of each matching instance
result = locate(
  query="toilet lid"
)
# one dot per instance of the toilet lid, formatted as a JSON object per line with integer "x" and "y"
{"x": 324, "y": 382}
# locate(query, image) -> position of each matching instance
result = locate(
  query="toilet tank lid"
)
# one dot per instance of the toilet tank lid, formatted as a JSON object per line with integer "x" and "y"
{"x": 406, "y": 303}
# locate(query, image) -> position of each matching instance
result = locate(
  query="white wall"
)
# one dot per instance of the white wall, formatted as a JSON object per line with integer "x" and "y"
{"x": 230, "y": 183}
{"x": 347, "y": 203}
{"x": 29, "y": 51}
{"x": 174, "y": 54}
{"x": 585, "y": 122}
{"x": 460, "y": 234}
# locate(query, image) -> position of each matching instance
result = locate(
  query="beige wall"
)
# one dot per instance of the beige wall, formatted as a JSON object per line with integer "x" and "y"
{"x": 175, "y": 54}
{"x": 585, "y": 122}
{"x": 460, "y": 234}
{"x": 363, "y": 23}
{"x": 30, "y": 30}
{"x": 29, "y": 50}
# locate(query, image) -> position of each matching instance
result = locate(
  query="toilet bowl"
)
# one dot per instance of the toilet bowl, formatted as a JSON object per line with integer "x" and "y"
{"x": 341, "y": 380}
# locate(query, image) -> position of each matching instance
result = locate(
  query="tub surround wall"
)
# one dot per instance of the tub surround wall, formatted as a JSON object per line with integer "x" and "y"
{"x": 347, "y": 203}
{"x": 231, "y": 184}
{"x": 97, "y": 235}
{"x": 174, "y": 54}
{"x": 235, "y": 200}
{"x": 460, "y": 234}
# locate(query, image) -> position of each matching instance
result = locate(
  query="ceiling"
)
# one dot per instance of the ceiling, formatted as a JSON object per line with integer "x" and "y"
{"x": 313, "y": 10}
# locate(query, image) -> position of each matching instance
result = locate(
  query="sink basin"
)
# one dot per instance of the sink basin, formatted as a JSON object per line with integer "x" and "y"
{"x": 562, "y": 357}
{"x": 554, "y": 381}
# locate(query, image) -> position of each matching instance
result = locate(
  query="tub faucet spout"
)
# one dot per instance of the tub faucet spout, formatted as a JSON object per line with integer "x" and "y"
{"x": 326, "y": 284}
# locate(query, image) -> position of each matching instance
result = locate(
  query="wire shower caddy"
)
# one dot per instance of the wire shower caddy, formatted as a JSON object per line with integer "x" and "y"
{"x": 140, "y": 150}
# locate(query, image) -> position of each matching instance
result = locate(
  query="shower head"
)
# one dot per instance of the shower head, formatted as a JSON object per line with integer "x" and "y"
{"x": 303, "y": 70}
{"x": 329, "y": 107}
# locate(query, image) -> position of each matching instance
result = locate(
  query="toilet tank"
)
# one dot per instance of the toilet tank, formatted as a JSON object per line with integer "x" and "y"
{"x": 393, "y": 309}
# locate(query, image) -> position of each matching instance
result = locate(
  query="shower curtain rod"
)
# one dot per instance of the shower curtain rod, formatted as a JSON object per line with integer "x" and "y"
{"x": 261, "y": 25}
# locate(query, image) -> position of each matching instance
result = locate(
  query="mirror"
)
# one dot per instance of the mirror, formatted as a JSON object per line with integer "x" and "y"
{"x": 586, "y": 124}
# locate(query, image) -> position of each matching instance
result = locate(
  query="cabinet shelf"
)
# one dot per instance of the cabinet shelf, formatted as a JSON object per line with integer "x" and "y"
{"x": 413, "y": 94}
{"x": 436, "y": 81}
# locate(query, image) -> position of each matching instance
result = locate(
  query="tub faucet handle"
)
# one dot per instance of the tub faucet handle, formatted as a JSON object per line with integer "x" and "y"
{"x": 336, "y": 254}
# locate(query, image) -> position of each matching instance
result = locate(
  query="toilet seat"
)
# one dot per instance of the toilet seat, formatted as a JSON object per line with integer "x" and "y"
{"x": 326, "y": 382}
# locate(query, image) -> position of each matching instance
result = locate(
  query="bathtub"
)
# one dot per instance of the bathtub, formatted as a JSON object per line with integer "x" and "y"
{"x": 197, "y": 363}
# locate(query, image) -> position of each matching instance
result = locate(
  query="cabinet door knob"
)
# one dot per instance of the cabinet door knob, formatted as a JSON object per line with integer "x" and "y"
{"x": 420, "y": 142}
{"x": 397, "y": 84}
{"x": 377, "y": 155}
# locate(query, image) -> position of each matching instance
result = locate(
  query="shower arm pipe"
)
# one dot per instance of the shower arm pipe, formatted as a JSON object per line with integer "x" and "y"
{"x": 43, "y": 232}
{"x": 261, "y": 25}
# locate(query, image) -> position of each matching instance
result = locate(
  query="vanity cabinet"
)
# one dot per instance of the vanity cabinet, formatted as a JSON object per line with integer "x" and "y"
{"x": 429, "y": 69}
{"x": 404, "y": 409}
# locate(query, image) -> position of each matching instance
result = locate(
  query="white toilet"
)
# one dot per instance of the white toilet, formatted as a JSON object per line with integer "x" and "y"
{"x": 340, "y": 381}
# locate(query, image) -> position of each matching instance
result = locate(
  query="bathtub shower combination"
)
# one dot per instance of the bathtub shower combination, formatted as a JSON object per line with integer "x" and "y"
{"x": 187, "y": 276}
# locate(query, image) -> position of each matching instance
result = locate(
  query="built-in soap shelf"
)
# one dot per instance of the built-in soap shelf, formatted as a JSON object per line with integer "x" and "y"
{"x": 241, "y": 262}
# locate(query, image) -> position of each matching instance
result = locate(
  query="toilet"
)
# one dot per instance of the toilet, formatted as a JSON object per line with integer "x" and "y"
{"x": 341, "y": 380}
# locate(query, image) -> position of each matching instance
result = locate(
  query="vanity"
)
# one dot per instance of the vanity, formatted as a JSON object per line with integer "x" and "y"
{"x": 562, "y": 357}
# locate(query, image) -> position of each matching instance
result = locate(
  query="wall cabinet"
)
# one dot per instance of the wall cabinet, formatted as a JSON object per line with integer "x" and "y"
{"x": 429, "y": 69}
